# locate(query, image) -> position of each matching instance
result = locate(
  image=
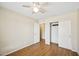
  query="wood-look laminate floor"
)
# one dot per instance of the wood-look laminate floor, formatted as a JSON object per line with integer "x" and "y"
{"x": 41, "y": 49}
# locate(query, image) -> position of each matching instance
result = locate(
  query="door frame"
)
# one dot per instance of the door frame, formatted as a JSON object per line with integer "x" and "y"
{"x": 51, "y": 30}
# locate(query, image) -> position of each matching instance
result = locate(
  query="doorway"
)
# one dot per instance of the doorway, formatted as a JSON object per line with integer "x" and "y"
{"x": 42, "y": 31}
{"x": 54, "y": 32}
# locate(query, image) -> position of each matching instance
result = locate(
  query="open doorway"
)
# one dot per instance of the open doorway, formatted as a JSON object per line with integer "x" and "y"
{"x": 42, "y": 31}
{"x": 54, "y": 32}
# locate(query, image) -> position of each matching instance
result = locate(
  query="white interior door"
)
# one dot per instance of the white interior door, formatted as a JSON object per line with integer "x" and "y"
{"x": 54, "y": 34}
{"x": 36, "y": 33}
{"x": 65, "y": 34}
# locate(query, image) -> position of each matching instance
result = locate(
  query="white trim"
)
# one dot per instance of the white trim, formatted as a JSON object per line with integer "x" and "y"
{"x": 15, "y": 50}
{"x": 46, "y": 42}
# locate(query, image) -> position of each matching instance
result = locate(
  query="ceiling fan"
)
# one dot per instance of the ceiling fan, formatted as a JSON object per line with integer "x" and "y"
{"x": 37, "y": 7}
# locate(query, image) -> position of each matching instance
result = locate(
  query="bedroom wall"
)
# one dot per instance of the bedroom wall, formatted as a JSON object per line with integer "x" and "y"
{"x": 16, "y": 31}
{"x": 78, "y": 29}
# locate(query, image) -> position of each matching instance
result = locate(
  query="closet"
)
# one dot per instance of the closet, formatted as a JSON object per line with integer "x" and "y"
{"x": 60, "y": 33}
{"x": 54, "y": 32}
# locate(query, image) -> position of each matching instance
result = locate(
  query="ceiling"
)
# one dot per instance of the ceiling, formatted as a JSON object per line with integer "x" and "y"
{"x": 52, "y": 9}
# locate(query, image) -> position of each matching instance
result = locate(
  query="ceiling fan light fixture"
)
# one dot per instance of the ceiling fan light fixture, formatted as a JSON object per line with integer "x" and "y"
{"x": 35, "y": 9}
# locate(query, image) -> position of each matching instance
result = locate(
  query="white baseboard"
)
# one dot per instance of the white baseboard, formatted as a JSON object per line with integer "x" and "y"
{"x": 48, "y": 43}
{"x": 4, "y": 54}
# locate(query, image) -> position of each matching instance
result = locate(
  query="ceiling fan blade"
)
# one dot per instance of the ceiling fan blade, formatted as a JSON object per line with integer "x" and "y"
{"x": 42, "y": 10}
{"x": 26, "y": 6}
{"x": 33, "y": 12}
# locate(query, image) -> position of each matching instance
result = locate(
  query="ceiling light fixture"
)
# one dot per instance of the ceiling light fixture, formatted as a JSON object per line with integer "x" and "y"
{"x": 35, "y": 9}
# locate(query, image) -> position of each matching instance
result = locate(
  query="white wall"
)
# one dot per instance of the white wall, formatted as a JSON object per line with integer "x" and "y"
{"x": 36, "y": 32}
{"x": 78, "y": 30}
{"x": 16, "y": 31}
{"x": 74, "y": 25}
{"x": 64, "y": 30}
{"x": 47, "y": 33}
{"x": 73, "y": 17}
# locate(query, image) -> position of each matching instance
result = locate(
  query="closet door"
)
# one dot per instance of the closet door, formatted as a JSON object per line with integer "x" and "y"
{"x": 54, "y": 34}
{"x": 65, "y": 34}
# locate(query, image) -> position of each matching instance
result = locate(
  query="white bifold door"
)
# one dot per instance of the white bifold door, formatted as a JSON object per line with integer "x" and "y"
{"x": 64, "y": 29}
